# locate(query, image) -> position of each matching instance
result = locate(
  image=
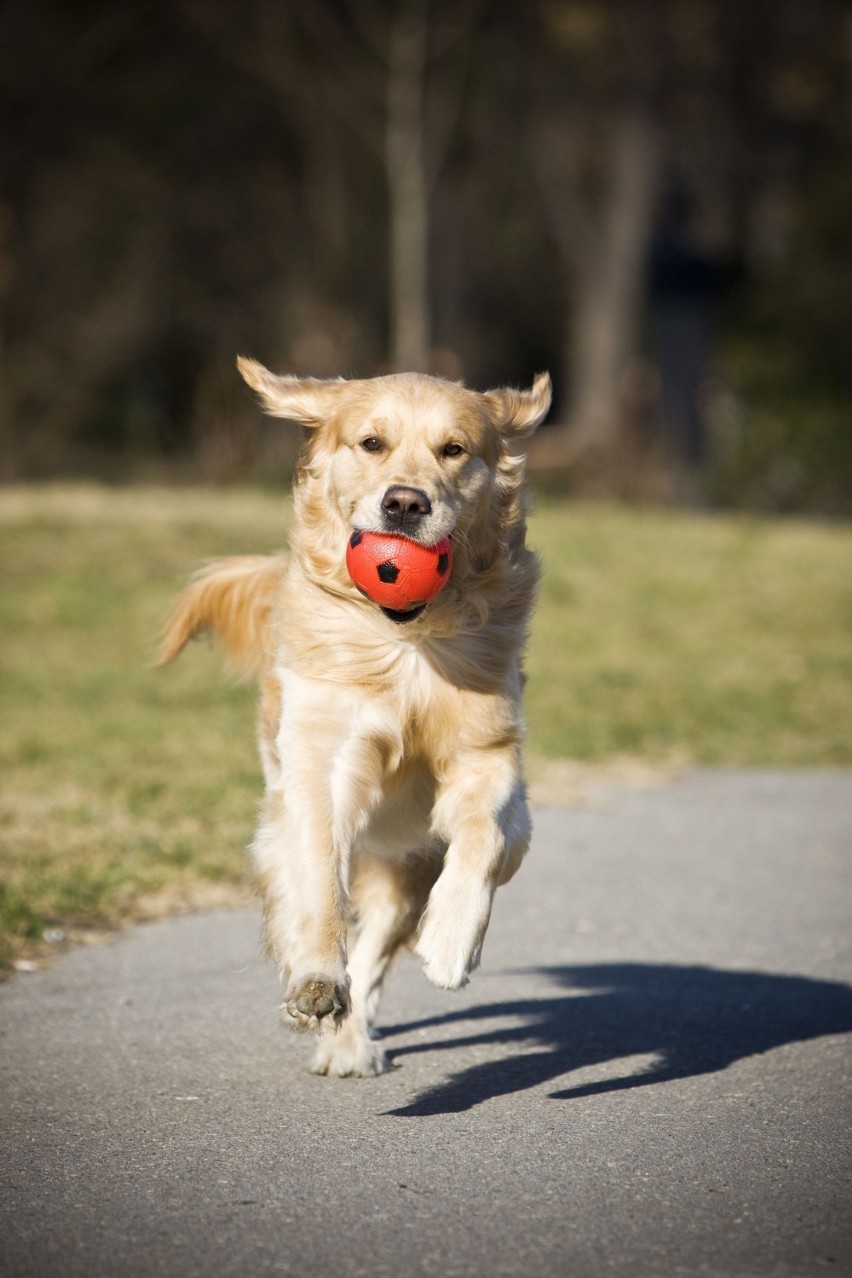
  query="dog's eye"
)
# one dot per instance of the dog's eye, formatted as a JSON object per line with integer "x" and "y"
{"x": 371, "y": 444}
{"x": 452, "y": 450}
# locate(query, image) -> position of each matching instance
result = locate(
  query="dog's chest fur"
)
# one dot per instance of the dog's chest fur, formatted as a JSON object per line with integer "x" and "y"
{"x": 404, "y": 714}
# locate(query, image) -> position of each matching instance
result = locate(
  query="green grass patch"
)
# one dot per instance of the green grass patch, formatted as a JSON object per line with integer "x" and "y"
{"x": 126, "y": 793}
{"x": 678, "y": 637}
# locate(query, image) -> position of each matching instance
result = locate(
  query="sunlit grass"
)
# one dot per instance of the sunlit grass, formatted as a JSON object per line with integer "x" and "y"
{"x": 126, "y": 793}
{"x": 715, "y": 640}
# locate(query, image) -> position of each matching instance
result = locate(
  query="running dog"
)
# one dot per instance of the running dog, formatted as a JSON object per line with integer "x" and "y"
{"x": 391, "y": 744}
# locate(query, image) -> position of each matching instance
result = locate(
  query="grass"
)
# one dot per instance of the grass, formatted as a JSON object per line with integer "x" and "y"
{"x": 125, "y": 794}
{"x": 669, "y": 636}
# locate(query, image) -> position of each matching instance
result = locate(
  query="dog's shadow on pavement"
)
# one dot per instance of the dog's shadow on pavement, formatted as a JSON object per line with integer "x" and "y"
{"x": 689, "y": 1020}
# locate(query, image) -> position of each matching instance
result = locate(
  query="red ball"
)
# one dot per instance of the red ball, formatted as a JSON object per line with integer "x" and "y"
{"x": 395, "y": 572}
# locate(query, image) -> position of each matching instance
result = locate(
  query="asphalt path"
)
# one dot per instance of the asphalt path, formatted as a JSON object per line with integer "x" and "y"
{"x": 648, "y": 1076}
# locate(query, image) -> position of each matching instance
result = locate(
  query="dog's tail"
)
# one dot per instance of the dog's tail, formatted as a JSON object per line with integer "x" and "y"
{"x": 233, "y": 600}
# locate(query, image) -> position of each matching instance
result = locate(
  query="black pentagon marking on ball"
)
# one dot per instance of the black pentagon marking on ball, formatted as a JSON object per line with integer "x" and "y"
{"x": 443, "y": 563}
{"x": 388, "y": 572}
{"x": 356, "y": 538}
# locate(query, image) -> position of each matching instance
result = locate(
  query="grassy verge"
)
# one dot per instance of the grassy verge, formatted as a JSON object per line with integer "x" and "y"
{"x": 660, "y": 638}
{"x": 674, "y": 637}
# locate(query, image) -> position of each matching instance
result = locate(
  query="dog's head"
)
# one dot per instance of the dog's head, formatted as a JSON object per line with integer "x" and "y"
{"x": 420, "y": 456}
{"x": 404, "y": 453}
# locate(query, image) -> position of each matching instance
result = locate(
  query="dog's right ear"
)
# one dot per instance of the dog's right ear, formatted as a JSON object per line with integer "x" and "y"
{"x": 307, "y": 400}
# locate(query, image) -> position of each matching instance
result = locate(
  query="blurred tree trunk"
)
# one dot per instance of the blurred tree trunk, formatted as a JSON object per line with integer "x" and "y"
{"x": 599, "y": 193}
{"x": 366, "y": 65}
{"x": 605, "y": 258}
{"x": 598, "y": 153}
{"x": 408, "y": 191}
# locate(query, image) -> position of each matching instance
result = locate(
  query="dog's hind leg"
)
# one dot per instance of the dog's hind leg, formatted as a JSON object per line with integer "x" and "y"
{"x": 388, "y": 899}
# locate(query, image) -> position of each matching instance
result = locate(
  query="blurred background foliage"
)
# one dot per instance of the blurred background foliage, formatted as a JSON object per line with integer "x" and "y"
{"x": 653, "y": 198}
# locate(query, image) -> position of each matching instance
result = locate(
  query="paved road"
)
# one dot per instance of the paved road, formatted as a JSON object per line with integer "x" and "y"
{"x": 649, "y": 1076}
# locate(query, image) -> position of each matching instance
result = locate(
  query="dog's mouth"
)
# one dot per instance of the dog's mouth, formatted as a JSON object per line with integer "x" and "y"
{"x": 402, "y": 618}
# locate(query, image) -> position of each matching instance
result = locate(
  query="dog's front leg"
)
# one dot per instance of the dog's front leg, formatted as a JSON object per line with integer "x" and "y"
{"x": 303, "y": 888}
{"x": 332, "y": 760}
{"x": 481, "y": 811}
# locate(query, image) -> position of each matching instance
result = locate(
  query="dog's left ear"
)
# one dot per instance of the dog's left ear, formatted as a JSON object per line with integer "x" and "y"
{"x": 307, "y": 400}
{"x": 517, "y": 413}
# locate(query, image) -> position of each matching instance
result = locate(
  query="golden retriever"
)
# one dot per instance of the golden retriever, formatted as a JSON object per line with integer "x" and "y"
{"x": 395, "y": 802}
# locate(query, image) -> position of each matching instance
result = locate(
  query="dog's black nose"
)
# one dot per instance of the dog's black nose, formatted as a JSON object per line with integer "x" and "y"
{"x": 405, "y": 507}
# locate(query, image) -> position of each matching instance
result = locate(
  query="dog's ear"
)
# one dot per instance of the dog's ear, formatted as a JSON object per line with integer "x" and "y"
{"x": 307, "y": 400}
{"x": 517, "y": 413}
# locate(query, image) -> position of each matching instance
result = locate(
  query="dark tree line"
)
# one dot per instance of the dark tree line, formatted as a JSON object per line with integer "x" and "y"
{"x": 650, "y": 197}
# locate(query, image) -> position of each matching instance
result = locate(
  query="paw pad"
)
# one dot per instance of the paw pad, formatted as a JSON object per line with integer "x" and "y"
{"x": 316, "y": 1004}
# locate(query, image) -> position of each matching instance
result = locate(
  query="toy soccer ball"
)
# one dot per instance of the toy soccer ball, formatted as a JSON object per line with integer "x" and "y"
{"x": 396, "y": 573}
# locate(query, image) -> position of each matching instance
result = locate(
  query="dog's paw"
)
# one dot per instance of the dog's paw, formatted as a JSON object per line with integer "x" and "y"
{"x": 348, "y": 1056}
{"x": 318, "y": 1004}
{"x": 452, "y": 931}
{"x": 447, "y": 962}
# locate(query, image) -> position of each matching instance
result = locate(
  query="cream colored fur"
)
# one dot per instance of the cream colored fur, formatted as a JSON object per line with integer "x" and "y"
{"x": 395, "y": 803}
